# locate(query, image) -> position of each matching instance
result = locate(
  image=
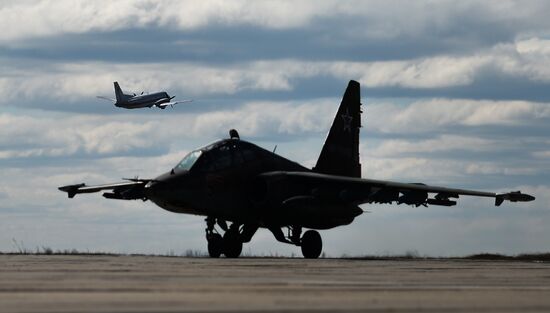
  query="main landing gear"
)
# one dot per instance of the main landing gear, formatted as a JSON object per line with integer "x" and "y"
{"x": 231, "y": 244}
{"x": 311, "y": 242}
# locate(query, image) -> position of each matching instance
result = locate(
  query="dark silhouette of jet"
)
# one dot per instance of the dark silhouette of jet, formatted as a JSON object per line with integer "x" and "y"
{"x": 234, "y": 181}
{"x": 133, "y": 101}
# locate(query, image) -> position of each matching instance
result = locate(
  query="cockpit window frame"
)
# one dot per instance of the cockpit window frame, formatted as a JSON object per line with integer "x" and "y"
{"x": 194, "y": 153}
{"x": 207, "y": 160}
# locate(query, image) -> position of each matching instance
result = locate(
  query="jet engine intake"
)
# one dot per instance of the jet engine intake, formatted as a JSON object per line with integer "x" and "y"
{"x": 270, "y": 190}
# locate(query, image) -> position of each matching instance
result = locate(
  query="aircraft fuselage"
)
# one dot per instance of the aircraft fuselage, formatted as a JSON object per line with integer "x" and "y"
{"x": 231, "y": 190}
{"x": 143, "y": 101}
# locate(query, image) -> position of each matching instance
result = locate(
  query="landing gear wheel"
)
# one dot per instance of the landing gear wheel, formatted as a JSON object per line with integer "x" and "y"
{"x": 232, "y": 245}
{"x": 312, "y": 244}
{"x": 215, "y": 245}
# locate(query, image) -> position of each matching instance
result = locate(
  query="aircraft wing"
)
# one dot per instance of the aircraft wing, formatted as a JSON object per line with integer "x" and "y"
{"x": 106, "y": 98}
{"x": 172, "y": 103}
{"x": 359, "y": 190}
{"x": 128, "y": 190}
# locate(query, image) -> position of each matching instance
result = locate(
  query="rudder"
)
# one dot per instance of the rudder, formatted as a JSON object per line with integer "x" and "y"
{"x": 340, "y": 153}
{"x": 118, "y": 93}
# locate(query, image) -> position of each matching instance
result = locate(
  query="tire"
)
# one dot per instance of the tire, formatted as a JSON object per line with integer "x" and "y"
{"x": 312, "y": 244}
{"x": 232, "y": 246}
{"x": 215, "y": 245}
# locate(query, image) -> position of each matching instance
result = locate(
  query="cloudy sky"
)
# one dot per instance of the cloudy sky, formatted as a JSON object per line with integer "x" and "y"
{"x": 454, "y": 93}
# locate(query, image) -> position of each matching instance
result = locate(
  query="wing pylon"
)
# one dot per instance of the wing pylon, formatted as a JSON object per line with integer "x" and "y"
{"x": 128, "y": 190}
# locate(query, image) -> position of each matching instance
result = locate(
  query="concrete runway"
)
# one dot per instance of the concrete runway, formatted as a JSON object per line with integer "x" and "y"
{"x": 169, "y": 284}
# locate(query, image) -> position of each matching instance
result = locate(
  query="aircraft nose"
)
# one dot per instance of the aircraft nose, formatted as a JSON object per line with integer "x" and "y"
{"x": 150, "y": 184}
{"x": 164, "y": 187}
{"x": 158, "y": 187}
{"x": 151, "y": 189}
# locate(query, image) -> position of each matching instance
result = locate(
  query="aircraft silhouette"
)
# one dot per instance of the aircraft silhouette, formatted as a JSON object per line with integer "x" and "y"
{"x": 235, "y": 181}
{"x": 127, "y": 101}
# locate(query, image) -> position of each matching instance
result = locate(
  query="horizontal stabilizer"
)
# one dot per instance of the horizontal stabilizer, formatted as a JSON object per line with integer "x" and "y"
{"x": 514, "y": 196}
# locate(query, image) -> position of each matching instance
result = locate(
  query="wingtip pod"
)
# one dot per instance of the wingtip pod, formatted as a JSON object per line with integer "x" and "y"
{"x": 71, "y": 190}
{"x": 514, "y": 196}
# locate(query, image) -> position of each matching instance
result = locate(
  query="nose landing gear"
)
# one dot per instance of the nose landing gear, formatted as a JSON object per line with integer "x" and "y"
{"x": 215, "y": 240}
{"x": 231, "y": 244}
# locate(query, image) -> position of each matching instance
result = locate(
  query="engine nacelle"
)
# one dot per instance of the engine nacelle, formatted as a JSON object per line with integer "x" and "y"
{"x": 271, "y": 189}
{"x": 443, "y": 202}
{"x": 283, "y": 199}
{"x": 413, "y": 198}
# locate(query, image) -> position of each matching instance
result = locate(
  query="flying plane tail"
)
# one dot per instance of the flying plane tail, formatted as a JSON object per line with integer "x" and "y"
{"x": 118, "y": 93}
{"x": 340, "y": 153}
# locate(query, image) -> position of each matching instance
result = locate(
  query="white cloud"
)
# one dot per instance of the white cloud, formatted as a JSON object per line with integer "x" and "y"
{"x": 268, "y": 118}
{"x": 439, "y": 171}
{"x": 131, "y": 135}
{"x": 442, "y": 143}
{"x": 542, "y": 154}
{"x": 436, "y": 72}
{"x": 48, "y": 17}
{"x": 124, "y": 134}
{"x": 428, "y": 115}
{"x": 25, "y": 136}
{"x": 534, "y": 46}
{"x": 73, "y": 81}
{"x": 387, "y": 19}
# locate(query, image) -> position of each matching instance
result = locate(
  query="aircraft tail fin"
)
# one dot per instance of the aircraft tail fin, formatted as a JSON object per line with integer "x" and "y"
{"x": 118, "y": 93}
{"x": 340, "y": 153}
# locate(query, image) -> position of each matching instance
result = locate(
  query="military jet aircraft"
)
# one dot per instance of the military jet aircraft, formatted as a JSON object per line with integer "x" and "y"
{"x": 234, "y": 181}
{"x": 133, "y": 101}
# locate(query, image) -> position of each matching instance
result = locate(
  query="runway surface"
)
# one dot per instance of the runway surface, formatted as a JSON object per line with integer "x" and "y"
{"x": 168, "y": 284}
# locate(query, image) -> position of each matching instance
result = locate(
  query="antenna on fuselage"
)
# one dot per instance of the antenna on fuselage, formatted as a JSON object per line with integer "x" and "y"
{"x": 233, "y": 134}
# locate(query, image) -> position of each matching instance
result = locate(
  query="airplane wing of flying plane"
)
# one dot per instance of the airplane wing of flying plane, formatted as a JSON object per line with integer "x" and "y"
{"x": 235, "y": 181}
{"x": 107, "y": 98}
{"x": 172, "y": 103}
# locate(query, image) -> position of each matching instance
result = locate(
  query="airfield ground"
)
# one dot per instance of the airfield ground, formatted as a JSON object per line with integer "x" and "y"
{"x": 79, "y": 283}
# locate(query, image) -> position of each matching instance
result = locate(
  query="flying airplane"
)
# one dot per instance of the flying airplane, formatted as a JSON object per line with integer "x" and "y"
{"x": 240, "y": 187}
{"x": 133, "y": 101}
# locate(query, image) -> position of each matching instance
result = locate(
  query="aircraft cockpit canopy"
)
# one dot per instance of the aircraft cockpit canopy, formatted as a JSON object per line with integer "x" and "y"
{"x": 217, "y": 156}
{"x": 189, "y": 160}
